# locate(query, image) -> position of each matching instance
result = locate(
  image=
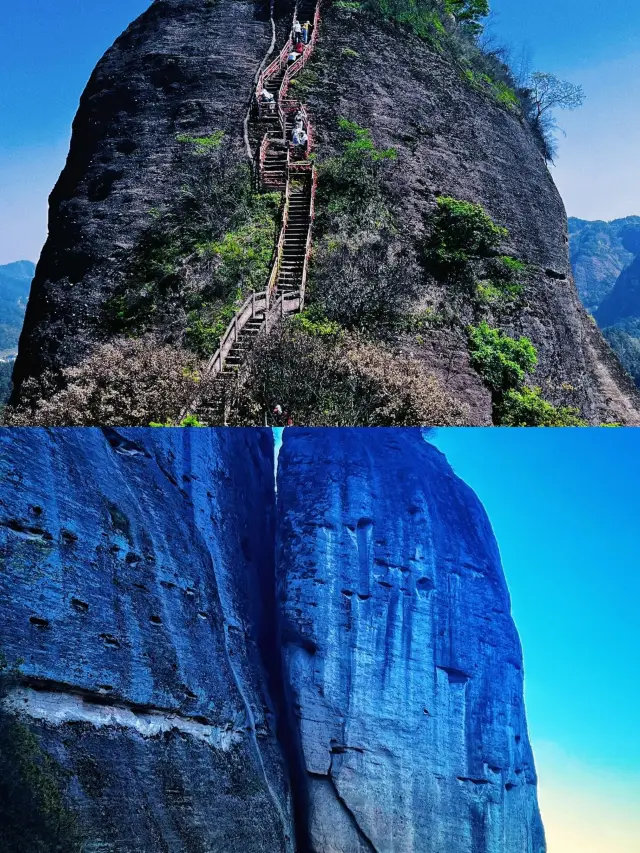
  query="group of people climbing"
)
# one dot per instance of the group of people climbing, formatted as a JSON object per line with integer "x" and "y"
{"x": 299, "y": 38}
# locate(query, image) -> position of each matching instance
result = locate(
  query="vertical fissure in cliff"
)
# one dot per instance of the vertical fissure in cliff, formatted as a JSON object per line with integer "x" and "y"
{"x": 287, "y": 729}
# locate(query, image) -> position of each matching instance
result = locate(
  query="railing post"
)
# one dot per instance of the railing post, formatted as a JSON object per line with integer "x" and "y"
{"x": 253, "y": 305}
{"x": 235, "y": 329}
{"x": 220, "y": 357}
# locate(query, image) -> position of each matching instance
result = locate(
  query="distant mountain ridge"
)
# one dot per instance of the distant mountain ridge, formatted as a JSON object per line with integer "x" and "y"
{"x": 15, "y": 284}
{"x": 599, "y": 252}
{"x": 605, "y": 257}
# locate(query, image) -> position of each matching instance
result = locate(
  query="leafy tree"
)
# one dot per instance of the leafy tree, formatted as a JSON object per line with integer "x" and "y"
{"x": 463, "y": 231}
{"x": 469, "y": 11}
{"x": 500, "y": 360}
{"x": 526, "y": 408}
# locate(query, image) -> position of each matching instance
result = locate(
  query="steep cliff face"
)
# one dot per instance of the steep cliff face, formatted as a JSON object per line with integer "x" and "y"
{"x": 454, "y": 140}
{"x": 403, "y": 664}
{"x": 166, "y": 683}
{"x": 185, "y": 67}
{"x": 135, "y": 568}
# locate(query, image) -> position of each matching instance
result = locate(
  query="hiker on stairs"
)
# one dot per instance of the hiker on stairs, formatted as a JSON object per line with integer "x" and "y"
{"x": 267, "y": 100}
{"x": 296, "y": 35}
{"x": 299, "y": 136}
{"x": 305, "y": 31}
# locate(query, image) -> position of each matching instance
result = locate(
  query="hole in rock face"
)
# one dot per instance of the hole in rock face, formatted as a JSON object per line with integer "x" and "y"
{"x": 110, "y": 641}
{"x": 126, "y": 146}
{"x": 509, "y": 786}
{"x": 68, "y": 537}
{"x": 203, "y": 615}
{"x": 79, "y": 605}
{"x": 155, "y": 620}
{"x": 37, "y": 511}
{"x": 39, "y": 622}
{"x": 424, "y": 585}
{"x": 99, "y": 188}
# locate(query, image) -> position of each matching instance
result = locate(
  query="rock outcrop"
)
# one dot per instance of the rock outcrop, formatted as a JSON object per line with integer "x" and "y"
{"x": 403, "y": 664}
{"x": 185, "y": 67}
{"x": 187, "y": 667}
{"x": 134, "y": 586}
{"x": 454, "y": 140}
{"x": 188, "y": 66}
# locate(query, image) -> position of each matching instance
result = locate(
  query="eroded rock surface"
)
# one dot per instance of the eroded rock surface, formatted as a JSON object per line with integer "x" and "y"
{"x": 134, "y": 571}
{"x": 184, "y": 67}
{"x": 455, "y": 141}
{"x": 403, "y": 663}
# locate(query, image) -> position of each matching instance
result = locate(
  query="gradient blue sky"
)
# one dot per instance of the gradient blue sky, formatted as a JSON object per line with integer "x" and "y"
{"x": 565, "y": 508}
{"x": 47, "y": 51}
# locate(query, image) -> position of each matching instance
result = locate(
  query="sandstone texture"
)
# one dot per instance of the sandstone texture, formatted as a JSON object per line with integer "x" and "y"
{"x": 455, "y": 141}
{"x": 134, "y": 571}
{"x": 403, "y": 664}
{"x": 192, "y": 662}
{"x": 185, "y": 67}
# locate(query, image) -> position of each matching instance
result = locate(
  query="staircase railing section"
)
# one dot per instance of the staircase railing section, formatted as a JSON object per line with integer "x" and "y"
{"x": 273, "y": 280}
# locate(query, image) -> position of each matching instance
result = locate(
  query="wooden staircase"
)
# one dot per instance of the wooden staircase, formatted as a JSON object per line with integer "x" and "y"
{"x": 281, "y": 167}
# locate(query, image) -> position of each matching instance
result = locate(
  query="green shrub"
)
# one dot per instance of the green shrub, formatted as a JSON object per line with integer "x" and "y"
{"x": 313, "y": 322}
{"x": 502, "y": 361}
{"x": 202, "y": 144}
{"x": 525, "y": 407}
{"x": 463, "y": 231}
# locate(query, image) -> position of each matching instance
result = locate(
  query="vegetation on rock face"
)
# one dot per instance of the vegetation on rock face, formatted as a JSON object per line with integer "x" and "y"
{"x": 203, "y": 253}
{"x": 363, "y": 272}
{"x": 33, "y": 814}
{"x": 462, "y": 232}
{"x": 455, "y": 27}
{"x": 340, "y": 380}
{"x": 130, "y": 382}
{"x": 504, "y": 363}
{"x": 525, "y": 407}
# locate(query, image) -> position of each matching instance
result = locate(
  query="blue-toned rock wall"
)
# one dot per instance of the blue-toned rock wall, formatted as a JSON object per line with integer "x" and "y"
{"x": 134, "y": 568}
{"x": 404, "y": 667}
{"x": 187, "y": 666}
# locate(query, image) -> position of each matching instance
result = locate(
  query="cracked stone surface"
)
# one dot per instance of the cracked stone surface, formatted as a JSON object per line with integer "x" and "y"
{"x": 217, "y": 670}
{"x": 403, "y": 663}
{"x": 131, "y": 572}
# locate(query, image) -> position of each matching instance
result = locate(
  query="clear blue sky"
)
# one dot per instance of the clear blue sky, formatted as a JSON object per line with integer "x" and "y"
{"x": 565, "y": 508}
{"x": 48, "y": 49}
{"x": 595, "y": 43}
